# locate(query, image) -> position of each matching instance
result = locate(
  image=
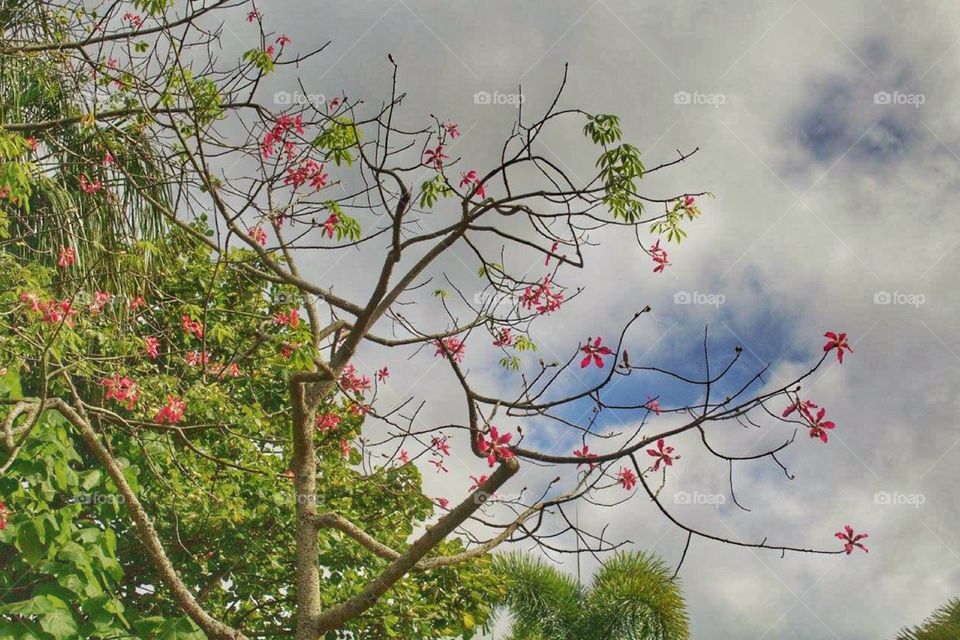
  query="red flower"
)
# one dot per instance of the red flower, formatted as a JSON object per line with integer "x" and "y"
{"x": 435, "y": 157}
{"x": 287, "y": 349}
{"x": 688, "y": 201}
{"x": 4, "y": 514}
{"x": 653, "y": 404}
{"x": 404, "y": 456}
{"x": 595, "y": 353}
{"x": 585, "y": 453}
{"x": 383, "y": 374}
{"x": 627, "y": 478}
{"x": 330, "y": 224}
{"x": 817, "y": 424}
{"x": 351, "y": 382}
{"x": 440, "y": 444}
{"x": 837, "y": 341}
{"x": 495, "y": 445}
{"x": 470, "y": 177}
{"x": 477, "y": 482}
{"x": 89, "y": 187}
{"x": 541, "y": 297}
{"x": 136, "y": 303}
{"x": 258, "y": 234}
{"x": 327, "y": 422}
{"x": 452, "y": 346}
{"x": 804, "y": 407}
{"x": 438, "y": 463}
{"x": 452, "y": 129}
{"x": 290, "y": 318}
{"x": 553, "y": 249}
{"x": 68, "y": 257}
{"x": 660, "y": 257}
{"x": 851, "y": 540}
{"x": 443, "y": 502}
{"x": 194, "y": 358}
{"x": 254, "y": 15}
{"x": 135, "y": 20}
{"x": 172, "y": 412}
{"x": 662, "y": 454}
{"x": 270, "y": 51}
{"x": 108, "y": 159}
{"x": 100, "y": 300}
{"x": 121, "y": 390}
{"x": 55, "y": 312}
{"x": 504, "y": 338}
{"x": 345, "y": 447}
{"x": 191, "y": 326}
{"x": 32, "y": 143}
{"x": 283, "y": 40}
{"x": 152, "y": 347}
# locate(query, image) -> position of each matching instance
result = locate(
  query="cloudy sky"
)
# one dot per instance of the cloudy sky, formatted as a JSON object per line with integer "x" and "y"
{"x": 829, "y": 136}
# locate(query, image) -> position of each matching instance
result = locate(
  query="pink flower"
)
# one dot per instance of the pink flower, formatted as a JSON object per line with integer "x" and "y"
{"x": 851, "y": 540}
{"x": 435, "y": 157}
{"x": 135, "y": 20}
{"x": 688, "y": 201}
{"x": 108, "y": 159}
{"x": 55, "y": 312}
{"x": 495, "y": 445}
{"x": 345, "y": 447}
{"x": 290, "y": 318}
{"x": 440, "y": 444}
{"x": 452, "y": 346}
{"x": 477, "y": 482}
{"x": 817, "y": 424}
{"x": 660, "y": 257}
{"x": 136, "y": 303}
{"x": 31, "y": 299}
{"x": 553, "y": 249}
{"x": 89, "y": 187}
{"x": 330, "y": 225}
{"x": 172, "y": 412}
{"x": 334, "y": 104}
{"x": 653, "y": 405}
{"x": 270, "y": 51}
{"x": 662, "y": 454}
{"x": 4, "y": 515}
{"x": 585, "y": 453}
{"x": 121, "y": 390}
{"x": 404, "y": 456}
{"x": 194, "y": 358}
{"x": 327, "y": 422}
{"x": 443, "y": 502}
{"x": 254, "y": 15}
{"x": 383, "y": 374}
{"x": 541, "y": 297}
{"x": 351, "y": 382}
{"x": 839, "y": 342}
{"x": 191, "y": 326}
{"x": 452, "y": 129}
{"x": 68, "y": 257}
{"x": 283, "y": 40}
{"x": 100, "y": 300}
{"x": 287, "y": 349}
{"x": 31, "y": 143}
{"x": 151, "y": 347}
{"x": 627, "y": 478}
{"x": 470, "y": 178}
{"x": 438, "y": 463}
{"x": 595, "y": 353}
{"x": 504, "y": 338}
{"x": 258, "y": 235}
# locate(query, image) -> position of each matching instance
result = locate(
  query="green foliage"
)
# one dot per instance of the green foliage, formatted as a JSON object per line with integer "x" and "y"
{"x": 430, "y": 190}
{"x": 260, "y": 59}
{"x": 337, "y": 139}
{"x": 670, "y": 224}
{"x": 619, "y": 165}
{"x": 153, "y": 7}
{"x": 632, "y": 597}
{"x": 943, "y": 624}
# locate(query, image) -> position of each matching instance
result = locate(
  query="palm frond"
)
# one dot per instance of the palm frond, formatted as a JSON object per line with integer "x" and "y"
{"x": 943, "y": 624}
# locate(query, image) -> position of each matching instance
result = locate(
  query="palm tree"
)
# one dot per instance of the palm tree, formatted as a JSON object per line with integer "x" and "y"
{"x": 632, "y": 597}
{"x": 943, "y": 624}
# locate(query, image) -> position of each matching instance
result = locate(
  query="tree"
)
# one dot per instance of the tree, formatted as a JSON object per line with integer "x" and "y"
{"x": 632, "y": 597}
{"x": 943, "y": 624}
{"x": 204, "y": 383}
